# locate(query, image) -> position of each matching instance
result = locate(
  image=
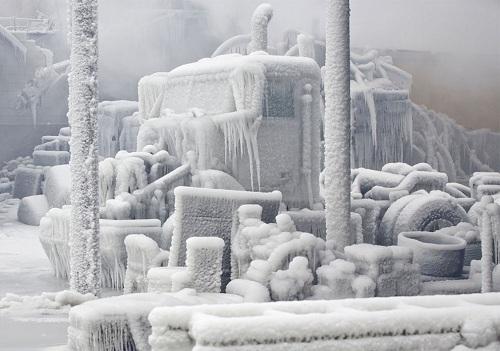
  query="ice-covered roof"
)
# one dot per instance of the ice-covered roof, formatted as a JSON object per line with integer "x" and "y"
{"x": 276, "y": 65}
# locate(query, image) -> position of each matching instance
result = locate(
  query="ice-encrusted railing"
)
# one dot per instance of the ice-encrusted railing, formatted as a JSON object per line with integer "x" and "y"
{"x": 27, "y": 25}
{"x": 440, "y": 323}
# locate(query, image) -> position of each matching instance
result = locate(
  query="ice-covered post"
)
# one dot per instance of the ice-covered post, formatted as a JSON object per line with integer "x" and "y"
{"x": 204, "y": 263}
{"x": 337, "y": 124}
{"x": 84, "y": 232}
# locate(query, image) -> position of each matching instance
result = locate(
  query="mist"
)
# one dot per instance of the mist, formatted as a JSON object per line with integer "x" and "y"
{"x": 454, "y": 44}
{"x": 456, "y": 41}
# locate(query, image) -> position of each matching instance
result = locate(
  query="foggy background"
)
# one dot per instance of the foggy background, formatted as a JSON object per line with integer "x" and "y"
{"x": 451, "y": 47}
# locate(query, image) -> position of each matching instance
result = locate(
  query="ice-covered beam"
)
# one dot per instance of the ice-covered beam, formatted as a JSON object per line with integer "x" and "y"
{"x": 337, "y": 124}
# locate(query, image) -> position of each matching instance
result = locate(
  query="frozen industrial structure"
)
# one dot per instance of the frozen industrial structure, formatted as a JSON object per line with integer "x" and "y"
{"x": 32, "y": 83}
{"x": 212, "y": 191}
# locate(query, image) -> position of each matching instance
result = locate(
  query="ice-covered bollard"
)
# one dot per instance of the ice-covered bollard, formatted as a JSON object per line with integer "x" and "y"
{"x": 204, "y": 262}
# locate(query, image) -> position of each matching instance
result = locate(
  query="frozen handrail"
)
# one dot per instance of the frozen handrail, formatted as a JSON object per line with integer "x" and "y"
{"x": 27, "y": 25}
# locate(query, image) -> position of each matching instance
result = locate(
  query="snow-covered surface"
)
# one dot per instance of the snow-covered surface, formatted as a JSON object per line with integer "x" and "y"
{"x": 375, "y": 324}
{"x": 26, "y": 271}
{"x": 112, "y": 323}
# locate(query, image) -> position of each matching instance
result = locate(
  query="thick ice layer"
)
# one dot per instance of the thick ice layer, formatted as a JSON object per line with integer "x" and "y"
{"x": 119, "y": 323}
{"x": 365, "y": 324}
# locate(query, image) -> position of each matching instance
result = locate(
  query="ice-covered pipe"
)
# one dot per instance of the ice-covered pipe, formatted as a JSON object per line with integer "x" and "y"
{"x": 260, "y": 21}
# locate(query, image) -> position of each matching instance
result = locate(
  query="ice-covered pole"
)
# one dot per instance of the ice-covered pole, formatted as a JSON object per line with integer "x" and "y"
{"x": 337, "y": 124}
{"x": 204, "y": 262}
{"x": 84, "y": 228}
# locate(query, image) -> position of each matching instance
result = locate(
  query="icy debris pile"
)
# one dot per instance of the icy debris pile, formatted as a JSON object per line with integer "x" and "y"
{"x": 370, "y": 270}
{"x": 209, "y": 213}
{"x": 406, "y": 323}
{"x": 297, "y": 266}
{"x": 401, "y": 198}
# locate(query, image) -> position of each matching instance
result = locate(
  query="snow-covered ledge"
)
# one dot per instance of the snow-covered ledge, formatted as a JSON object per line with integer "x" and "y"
{"x": 405, "y": 323}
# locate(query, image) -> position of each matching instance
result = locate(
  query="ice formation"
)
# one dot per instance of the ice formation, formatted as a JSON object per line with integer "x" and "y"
{"x": 55, "y": 232}
{"x": 209, "y": 212}
{"x": 143, "y": 253}
{"x": 235, "y": 113}
{"x": 205, "y": 137}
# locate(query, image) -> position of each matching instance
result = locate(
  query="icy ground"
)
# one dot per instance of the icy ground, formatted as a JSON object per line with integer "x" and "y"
{"x": 25, "y": 270}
